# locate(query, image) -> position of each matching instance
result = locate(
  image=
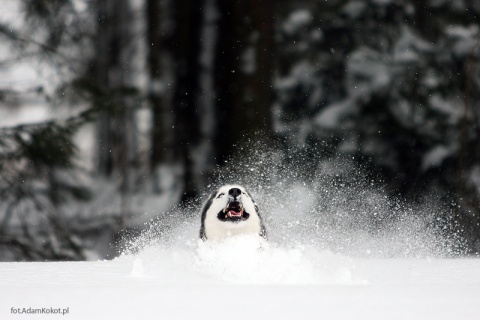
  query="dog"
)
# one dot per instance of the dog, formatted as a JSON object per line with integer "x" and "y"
{"x": 230, "y": 211}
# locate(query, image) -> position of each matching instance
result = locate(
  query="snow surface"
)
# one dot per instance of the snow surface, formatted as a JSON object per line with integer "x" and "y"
{"x": 243, "y": 278}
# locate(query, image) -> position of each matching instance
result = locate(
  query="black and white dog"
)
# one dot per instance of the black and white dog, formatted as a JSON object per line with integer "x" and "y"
{"x": 228, "y": 212}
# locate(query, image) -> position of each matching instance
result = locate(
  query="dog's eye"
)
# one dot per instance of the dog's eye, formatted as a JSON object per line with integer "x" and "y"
{"x": 220, "y": 195}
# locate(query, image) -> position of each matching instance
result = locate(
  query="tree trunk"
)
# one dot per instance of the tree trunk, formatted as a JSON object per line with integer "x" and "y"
{"x": 112, "y": 70}
{"x": 244, "y": 63}
{"x": 115, "y": 123}
{"x": 187, "y": 45}
{"x": 160, "y": 70}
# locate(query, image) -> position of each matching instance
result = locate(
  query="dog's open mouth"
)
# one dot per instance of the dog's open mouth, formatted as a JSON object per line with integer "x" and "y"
{"x": 233, "y": 212}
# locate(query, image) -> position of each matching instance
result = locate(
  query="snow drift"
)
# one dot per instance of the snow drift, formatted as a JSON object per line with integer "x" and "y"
{"x": 338, "y": 249}
{"x": 317, "y": 221}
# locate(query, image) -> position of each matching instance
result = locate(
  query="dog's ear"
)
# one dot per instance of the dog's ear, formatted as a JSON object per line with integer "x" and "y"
{"x": 263, "y": 230}
{"x": 254, "y": 203}
{"x": 207, "y": 205}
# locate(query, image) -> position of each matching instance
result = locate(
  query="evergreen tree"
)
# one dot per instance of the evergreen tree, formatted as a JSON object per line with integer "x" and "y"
{"x": 390, "y": 83}
{"x": 38, "y": 172}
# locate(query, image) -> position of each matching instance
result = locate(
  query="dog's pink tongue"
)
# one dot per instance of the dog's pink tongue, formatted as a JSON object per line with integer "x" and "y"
{"x": 234, "y": 213}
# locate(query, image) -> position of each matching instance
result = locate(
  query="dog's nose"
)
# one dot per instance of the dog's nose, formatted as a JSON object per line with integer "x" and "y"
{"x": 234, "y": 192}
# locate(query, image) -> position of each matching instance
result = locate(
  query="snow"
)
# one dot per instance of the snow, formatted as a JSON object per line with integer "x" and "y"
{"x": 474, "y": 177}
{"x": 368, "y": 65}
{"x": 465, "y": 39}
{"x": 448, "y": 107}
{"x": 332, "y": 116}
{"x": 354, "y": 9}
{"x": 329, "y": 262}
{"x": 328, "y": 256}
{"x": 324, "y": 259}
{"x": 297, "y": 20}
{"x": 435, "y": 157}
{"x": 409, "y": 47}
{"x": 239, "y": 280}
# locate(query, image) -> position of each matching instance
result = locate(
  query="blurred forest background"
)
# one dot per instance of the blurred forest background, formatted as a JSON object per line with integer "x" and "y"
{"x": 114, "y": 110}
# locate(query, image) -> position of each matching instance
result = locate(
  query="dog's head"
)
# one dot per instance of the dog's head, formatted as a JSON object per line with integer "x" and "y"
{"x": 230, "y": 208}
{"x": 232, "y": 204}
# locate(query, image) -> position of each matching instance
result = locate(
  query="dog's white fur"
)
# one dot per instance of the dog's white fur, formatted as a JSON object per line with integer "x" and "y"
{"x": 215, "y": 229}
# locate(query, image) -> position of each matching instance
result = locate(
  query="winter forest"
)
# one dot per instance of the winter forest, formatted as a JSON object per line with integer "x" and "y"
{"x": 348, "y": 120}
